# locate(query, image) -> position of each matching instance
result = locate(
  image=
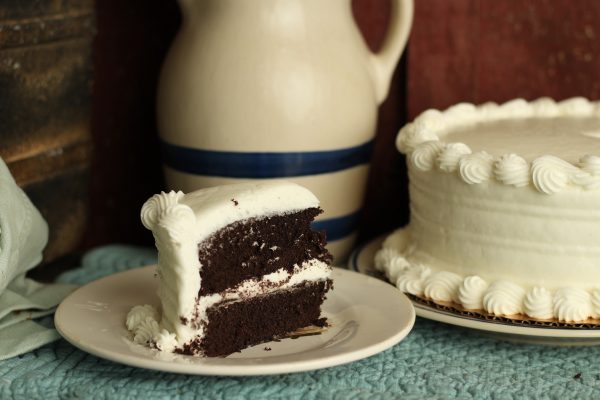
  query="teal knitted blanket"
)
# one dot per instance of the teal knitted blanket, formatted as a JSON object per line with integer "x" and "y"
{"x": 435, "y": 361}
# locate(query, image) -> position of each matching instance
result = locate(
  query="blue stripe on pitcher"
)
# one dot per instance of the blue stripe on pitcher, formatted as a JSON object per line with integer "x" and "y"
{"x": 338, "y": 227}
{"x": 263, "y": 165}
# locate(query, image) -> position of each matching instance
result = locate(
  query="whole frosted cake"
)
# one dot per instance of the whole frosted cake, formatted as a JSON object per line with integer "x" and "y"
{"x": 238, "y": 265}
{"x": 505, "y": 210}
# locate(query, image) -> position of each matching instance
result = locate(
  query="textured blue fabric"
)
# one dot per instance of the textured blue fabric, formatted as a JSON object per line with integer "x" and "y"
{"x": 435, "y": 361}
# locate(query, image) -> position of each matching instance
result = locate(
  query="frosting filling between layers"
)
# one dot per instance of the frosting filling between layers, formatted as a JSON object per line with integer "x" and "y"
{"x": 259, "y": 246}
{"x": 261, "y": 319}
{"x": 310, "y": 271}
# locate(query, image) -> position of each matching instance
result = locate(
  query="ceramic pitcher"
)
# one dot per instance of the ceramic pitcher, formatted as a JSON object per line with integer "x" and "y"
{"x": 277, "y": 89}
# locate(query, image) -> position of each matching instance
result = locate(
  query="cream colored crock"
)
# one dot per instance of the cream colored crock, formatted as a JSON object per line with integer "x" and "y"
{"x": 277, "y": 89}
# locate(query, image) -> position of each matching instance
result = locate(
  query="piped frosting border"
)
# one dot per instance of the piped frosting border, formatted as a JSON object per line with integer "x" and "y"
{"x": 423, "y": 143}
{"x": 501, "y": 297}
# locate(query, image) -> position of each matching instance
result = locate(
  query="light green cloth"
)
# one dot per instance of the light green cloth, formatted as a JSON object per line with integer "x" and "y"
{"x": 23, "y": 236}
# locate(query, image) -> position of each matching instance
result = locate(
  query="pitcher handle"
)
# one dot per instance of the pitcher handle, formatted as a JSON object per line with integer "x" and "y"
{"x": 384, "y": 62}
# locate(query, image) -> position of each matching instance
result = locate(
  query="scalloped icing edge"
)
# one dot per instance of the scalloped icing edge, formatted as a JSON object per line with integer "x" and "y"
{"x": 172, "y": 225}
{"x": 420, "y": 141}
{"x": 502, "y": 298}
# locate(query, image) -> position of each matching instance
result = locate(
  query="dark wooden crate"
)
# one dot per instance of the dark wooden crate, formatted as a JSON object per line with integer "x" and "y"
{"x": 45, "y": 92}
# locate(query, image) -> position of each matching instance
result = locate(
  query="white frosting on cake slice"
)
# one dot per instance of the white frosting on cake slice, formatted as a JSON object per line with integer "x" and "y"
{"x": 507, "y": 199}
{"x": 179, "y": 223}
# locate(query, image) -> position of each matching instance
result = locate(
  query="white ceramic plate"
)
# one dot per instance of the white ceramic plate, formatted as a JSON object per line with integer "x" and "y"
{"x": 366, "y": 314}
{"x": 361, "y": 261}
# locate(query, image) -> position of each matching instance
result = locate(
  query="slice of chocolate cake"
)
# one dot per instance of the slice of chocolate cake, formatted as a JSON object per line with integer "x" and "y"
{"x": 238, "y": 265}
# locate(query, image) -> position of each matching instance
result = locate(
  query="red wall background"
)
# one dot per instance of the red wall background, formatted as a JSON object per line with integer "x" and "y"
{"x": 478, "y": 50}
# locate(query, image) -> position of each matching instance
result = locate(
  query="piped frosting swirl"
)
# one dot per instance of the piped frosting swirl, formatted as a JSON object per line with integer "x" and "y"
{"x": 545, "y": 107}
{"x": 590, "y": 164}
{"x": 442, "y": 286}
{"x": 548, "y": 174}
{"x": 412, "y": 279}
{"x": 450, "y": 156}
{"x": 551, "y": 174}
{"x": 504, "y": 298}
{"x": 425, "y": 154}
{"x": 595, "y": 294}
{"x": 471, "y": 291}
{"x": 589, "y": 177}
{"x": 501, "y": 297}
{"x": 538, "y": 303}
{"x": 572, "y": 304}
{"x": 512, "y": 169}
{"x": 416, "y": 133}
{"x": 476, "y": 168}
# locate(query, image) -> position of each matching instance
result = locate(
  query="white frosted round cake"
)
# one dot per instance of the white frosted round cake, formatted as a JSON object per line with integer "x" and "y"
{"x": 505, "y": 210}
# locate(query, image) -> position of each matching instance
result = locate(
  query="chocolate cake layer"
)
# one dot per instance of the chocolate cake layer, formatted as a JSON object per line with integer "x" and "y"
{"x": 237, "y": 325}
{"x": 257, "y": 247}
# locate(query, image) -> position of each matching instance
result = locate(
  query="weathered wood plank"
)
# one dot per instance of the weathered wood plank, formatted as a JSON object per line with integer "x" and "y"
{"x": 45, "y": 86}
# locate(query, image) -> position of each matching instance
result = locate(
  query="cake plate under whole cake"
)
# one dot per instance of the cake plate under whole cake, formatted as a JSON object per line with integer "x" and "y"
{"x": 362, "y": 260}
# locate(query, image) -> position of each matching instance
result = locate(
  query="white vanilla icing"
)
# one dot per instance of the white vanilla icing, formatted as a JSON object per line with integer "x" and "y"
{"x": 551, "y": 174}
{"x": 507, "y": 197}
{"x": 512, "y": 169}
{"x": 390, "y": 261}
{"x": 572, "y": 304}
{"x": 450, "y": 156}
{"x": 412, "y": 279}
{"x": 145, "y": 331}
{"x": 138, "y": 314}
{"x": 504, "y": 298}
{"x": 416, "y": 134}
{"x": 442, "y": 286}
{"x": 596, "y": 303}
{"x": 590, "y": 164}
{"x": 425, "y": 154}
{"x": 165, "y": 340}
{"x": 538, "y": 303}
{"x": 179, "y": 223}
{"x": 476, "y": 167}
{"x": 471, "y": 291}
{"x": 384, "y": 258}
{"x": 567, "y": 130}
{"x": 396, "y": 267}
